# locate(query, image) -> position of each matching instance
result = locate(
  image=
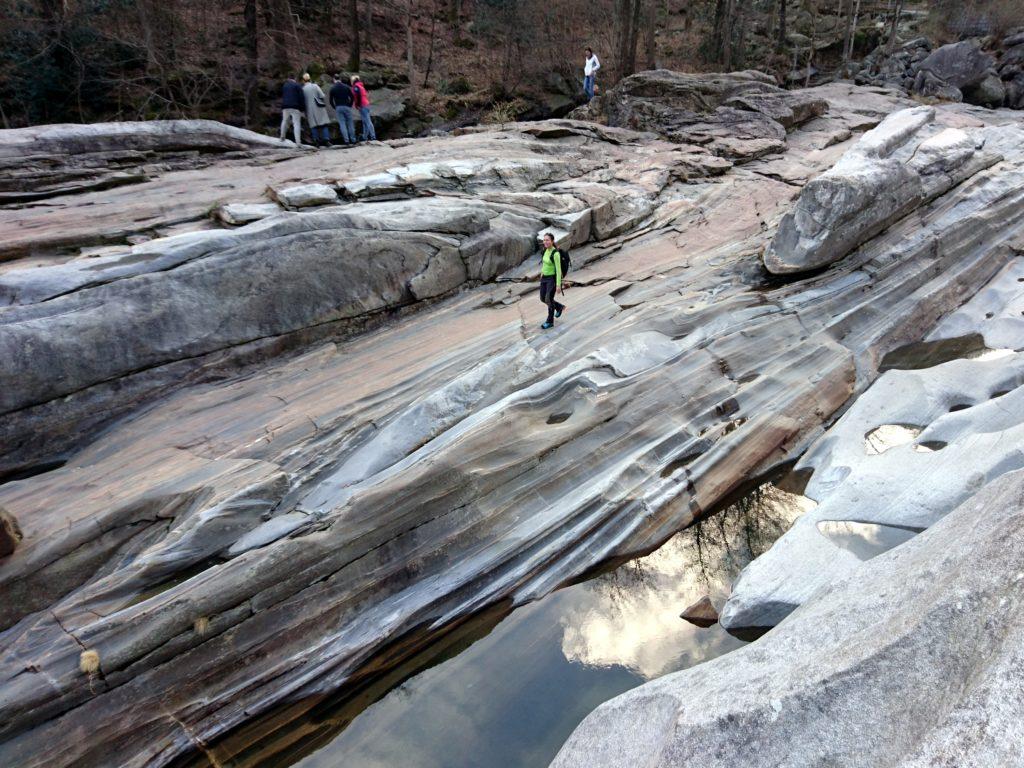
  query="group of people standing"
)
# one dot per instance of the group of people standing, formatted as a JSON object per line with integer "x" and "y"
{"x": 309, "y": 100}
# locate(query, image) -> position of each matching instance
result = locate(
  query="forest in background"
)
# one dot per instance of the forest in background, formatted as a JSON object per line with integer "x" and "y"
{"x": 91, "y": 60}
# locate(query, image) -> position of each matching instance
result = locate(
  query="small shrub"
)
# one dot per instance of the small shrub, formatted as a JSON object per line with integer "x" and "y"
{"x": 504, "y": 112}
{"x": 89, "y": 662}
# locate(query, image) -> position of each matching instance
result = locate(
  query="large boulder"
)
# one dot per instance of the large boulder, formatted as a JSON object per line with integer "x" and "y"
{"x": 963, "y": 66}
{"x": 889, "y": 172}
{"x": 960, "y": 64}
{"x": 990, "y": 92}
{"x": 913, "y": 659}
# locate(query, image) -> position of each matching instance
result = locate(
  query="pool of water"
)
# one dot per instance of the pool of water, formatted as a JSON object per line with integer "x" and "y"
{"x": 506, "y": 689}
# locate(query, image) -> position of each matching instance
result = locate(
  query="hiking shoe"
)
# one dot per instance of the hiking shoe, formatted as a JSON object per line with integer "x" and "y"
{"x": 547, "y": 325}
{"x": 558, "y": 312}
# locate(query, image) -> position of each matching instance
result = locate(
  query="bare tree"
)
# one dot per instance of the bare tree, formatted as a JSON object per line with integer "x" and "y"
{"x": 253, "y": 114}
{"x": 454, "y": 18}
{"x": 408, "y": 43}
{"x": 851, "y": 30}
{"x": 897, "y": 12}
{"x": 780, "y": 41}
{"x": 650, "y": 24}
{"x": 354, "y": 55}
{"x": 281, "y": 26}
{"x": 627, "y": 14}
{"x": 430, "y": 51}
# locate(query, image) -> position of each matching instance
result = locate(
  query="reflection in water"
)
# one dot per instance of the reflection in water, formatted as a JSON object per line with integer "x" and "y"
{"x": 510, "y": 694}
{"x": 865, "y": 540}
{"x": 881, "y": 439}
{"x": 633, "y": 620}
{"x": 925, "y": 354}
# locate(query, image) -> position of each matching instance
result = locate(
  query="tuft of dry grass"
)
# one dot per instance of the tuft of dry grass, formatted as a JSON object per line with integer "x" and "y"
{"x": 89, "y": 662}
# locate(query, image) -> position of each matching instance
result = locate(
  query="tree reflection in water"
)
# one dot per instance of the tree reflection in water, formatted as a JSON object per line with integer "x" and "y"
{"x": 631, "y": 616}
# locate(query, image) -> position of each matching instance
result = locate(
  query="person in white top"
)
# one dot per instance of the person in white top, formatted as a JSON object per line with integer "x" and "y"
{"x": 590, "y": 67}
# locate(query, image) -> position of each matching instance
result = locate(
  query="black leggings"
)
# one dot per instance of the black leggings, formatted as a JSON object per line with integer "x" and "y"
{"x": 547, "y": 295}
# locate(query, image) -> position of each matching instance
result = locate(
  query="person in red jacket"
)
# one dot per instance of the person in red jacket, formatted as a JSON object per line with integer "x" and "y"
{"x": 361, "y": 100}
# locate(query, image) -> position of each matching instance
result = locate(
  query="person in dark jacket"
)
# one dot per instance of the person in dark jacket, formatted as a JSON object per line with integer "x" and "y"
{"x": 292, "y": 105}
{"x": 361, "y": 100}
{"x": 341, "y": 101}
{"x": 551, "y": 279}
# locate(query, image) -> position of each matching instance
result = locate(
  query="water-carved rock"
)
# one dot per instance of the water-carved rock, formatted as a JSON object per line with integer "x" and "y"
{"x": 912, "y": 659}
{"x": 892, "y": 170}
{"x": 402, "y": 450}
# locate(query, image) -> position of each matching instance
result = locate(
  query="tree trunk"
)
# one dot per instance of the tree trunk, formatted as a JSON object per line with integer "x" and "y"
{"x": 780, "y": 42}
{"x": 368, "y": 25}
{"x": 454, "y": 18}
{"x": 634, "y": 29}
{"x": 353, "y": 20}
{"x": 727, "y": 31}
{"x": 851, "y": 30}
{"x": 740, "y": 53}
{"x": 430, "y": 51}
{"x": 282, "y": 35}
{"x": 408, "y": 43}
{"x": 627, "y": 13}
{"x": 650, "y": 35}
{"x": 253, "y": 114}
{"x": 810, "y": 48}
{"x": 894, "y": 28}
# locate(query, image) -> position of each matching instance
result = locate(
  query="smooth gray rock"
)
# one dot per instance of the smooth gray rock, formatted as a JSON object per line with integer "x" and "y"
{"x": 305, "y": 195}
{"x": 237, "y": 214}
{"x": 872, "y": 186}
{"x": 912, "y": 659}
{"x": 48, "y": 160}
{"x": 449, "y": 453}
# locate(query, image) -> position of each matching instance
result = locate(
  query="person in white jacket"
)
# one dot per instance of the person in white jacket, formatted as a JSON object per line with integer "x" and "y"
{"x": 590, "y": 67}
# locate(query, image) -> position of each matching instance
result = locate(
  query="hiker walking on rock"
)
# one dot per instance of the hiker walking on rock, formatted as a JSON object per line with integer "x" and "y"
{"x": 361, "y": 100}
{"x": 292, "y": 105}
{"x": 590, "y": 67}
{"x": 316, "y": 112}
{"x": 551, "y": 280}
{"x": 341, "y": 100}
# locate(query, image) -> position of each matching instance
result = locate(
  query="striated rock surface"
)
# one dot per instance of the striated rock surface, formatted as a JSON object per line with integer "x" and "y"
{"x": 355, "y": 434}
{"x": 912, "y": 659}
{"x": 913, "y": 447}
{"x": 892, "y": 170}
{"x": 49, "y": 160}
{"x": 738, "y": 115}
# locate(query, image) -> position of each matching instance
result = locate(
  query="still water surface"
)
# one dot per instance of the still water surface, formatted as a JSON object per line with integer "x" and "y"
{"x": 506, "y": 688}
{"x": 512, "y": 697}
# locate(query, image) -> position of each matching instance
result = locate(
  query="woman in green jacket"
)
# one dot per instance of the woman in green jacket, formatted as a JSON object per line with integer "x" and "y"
{"x": 551, "y": 280}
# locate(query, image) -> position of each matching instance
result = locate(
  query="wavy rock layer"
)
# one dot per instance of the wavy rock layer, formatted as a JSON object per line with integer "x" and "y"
{"x": 914, "y": 446}
{"x": 51, "y": 160}
{"x": 261, "y": 540}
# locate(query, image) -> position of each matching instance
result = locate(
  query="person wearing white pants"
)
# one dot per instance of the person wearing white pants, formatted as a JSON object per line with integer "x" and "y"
{"x": 292, "y": 105}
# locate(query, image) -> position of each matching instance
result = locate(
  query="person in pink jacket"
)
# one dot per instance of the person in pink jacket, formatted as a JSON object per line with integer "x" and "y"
{"x": 361, "y": 100}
